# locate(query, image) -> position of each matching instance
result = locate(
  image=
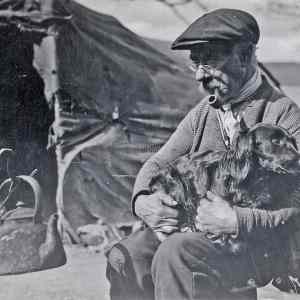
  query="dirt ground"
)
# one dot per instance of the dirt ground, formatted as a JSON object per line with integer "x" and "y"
{"x": 83, "y": 278}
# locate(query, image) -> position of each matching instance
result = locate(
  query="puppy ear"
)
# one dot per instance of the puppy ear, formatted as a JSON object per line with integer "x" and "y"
{"x": 240, "y": 135}
{"x": 202, "y": 178}
{"x": 242, "y": 144}
{"x": 159, "y": 182}
{"x": 239, "y": 160}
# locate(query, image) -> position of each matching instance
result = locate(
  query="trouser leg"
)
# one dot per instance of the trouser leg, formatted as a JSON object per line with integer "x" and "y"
{"x": 188, "y": 266}
{"x": 129, "y": 267}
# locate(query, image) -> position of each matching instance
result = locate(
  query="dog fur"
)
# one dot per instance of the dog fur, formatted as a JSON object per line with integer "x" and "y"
{"x": 260, "y": 170}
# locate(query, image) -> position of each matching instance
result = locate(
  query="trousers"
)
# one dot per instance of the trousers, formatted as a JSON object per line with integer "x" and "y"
{"x": 186, "y": 266}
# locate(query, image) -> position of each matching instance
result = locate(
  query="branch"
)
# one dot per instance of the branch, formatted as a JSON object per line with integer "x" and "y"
{"x": 201, "y": 5}
{"x": 176, "y": 12}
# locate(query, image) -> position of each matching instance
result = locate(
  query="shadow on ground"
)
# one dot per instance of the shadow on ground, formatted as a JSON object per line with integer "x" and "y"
{"x": 82, "y": 278}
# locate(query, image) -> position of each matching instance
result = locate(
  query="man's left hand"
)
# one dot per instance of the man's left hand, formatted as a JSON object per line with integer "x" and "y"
{"x": 216, "y": 216}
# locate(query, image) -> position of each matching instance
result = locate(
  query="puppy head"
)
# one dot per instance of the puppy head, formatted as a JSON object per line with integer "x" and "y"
{"x": 181, "y": 185}
{"x": 242, "y": 145}
{"x": 168, "y": 181}
{"x": 236, "y": 163}
{"x": 275, "y": 148}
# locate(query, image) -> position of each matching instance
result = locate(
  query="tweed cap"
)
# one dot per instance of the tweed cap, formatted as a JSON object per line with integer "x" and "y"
{"x": 221, "y": 24}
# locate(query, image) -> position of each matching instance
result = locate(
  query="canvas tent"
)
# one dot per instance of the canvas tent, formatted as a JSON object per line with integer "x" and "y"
{"x": 25, "y": 116}
{"x": 116, "y": 100}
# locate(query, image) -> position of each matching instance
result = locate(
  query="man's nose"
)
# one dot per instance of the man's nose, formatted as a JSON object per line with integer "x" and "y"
{"x": 200, "y": 73}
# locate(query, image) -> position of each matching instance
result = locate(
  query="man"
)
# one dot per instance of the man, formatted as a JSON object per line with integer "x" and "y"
{"x": 222, "y": 47}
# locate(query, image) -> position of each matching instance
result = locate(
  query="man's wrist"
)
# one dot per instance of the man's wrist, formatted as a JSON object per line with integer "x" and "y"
{"x": 134, "y": 198}
{"x": 245, "y": 220}
{"x": 231, "y": 222}
{"x": 235, "y": 234}
{"x": 252, "y": 220}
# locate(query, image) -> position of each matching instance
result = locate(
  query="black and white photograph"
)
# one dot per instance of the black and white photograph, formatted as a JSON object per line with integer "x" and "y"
{"x": 149, "y": 149}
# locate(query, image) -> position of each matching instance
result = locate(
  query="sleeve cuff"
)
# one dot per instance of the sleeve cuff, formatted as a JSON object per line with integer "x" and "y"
{"x": 252, "y": 220}
{"x": 244, "y": 221}
{"x": 142, "y": 192}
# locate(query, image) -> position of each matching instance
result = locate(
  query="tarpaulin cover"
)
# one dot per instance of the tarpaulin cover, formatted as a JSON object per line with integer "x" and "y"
{"x": 117, "y": 102}
{"x": 25, "y": 116}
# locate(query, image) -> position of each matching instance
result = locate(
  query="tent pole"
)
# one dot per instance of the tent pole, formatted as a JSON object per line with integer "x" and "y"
{"x": 49, "y": 43}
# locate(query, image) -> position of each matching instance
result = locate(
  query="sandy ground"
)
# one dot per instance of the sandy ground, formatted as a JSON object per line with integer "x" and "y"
{"x": 83, "y": 278}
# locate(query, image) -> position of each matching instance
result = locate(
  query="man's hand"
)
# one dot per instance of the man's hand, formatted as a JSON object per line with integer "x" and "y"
{"x": 216, "y": 216}
{"x": 159, "y": 211}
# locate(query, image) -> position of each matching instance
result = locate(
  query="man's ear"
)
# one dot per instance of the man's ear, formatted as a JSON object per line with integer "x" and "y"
{"x": 202, "y": 178}
{"x": 246, "y": 53}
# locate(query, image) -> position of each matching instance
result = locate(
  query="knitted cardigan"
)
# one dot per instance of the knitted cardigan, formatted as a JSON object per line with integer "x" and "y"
{"x": 201, "y": 131}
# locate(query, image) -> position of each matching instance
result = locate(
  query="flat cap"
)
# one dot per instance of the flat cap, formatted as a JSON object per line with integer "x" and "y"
{"x": 220, "y": 24}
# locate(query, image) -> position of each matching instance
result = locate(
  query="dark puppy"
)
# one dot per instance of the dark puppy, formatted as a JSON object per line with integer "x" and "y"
{"x": 261, "y": 170}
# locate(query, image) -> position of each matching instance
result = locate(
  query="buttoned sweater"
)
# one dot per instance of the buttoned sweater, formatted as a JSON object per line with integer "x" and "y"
{"x": 202, "y": 131}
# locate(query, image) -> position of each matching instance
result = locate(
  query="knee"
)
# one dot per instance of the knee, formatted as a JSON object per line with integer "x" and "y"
{"x": 179, "y": 250}
{"x": 170, "y": 250}
{"x": 132, "y": 257}
{"x": 129, "y": 263}
{"x": 125, "y": 282}
{"x": 116, "y": 260}
{"x": 123, "y": 259}
{"x": 132, "y": 251}
{"x": 184, "y": 250}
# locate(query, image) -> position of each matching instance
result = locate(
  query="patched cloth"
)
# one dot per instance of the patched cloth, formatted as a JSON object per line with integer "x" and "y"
{"x": 221, "y": 24}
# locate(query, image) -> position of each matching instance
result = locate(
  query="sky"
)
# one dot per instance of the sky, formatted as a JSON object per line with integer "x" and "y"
{"x": 280, "y": 25}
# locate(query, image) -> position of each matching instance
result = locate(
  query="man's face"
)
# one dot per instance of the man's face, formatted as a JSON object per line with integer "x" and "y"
{"x": 221, "y": 66}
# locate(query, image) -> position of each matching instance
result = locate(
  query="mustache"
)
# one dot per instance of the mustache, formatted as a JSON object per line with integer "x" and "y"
{"x": 210, "y": 84}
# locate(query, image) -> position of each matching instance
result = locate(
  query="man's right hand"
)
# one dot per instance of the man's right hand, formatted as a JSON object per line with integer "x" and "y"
{"x": 159, "y": 211}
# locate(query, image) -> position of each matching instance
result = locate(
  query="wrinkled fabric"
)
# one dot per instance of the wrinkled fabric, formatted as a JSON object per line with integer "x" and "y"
{"x": 117, "y": 100}
{"x": 31, "y": 17}
{"x": 177, "y": 265}
{"x": 25, "y": 116}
